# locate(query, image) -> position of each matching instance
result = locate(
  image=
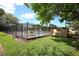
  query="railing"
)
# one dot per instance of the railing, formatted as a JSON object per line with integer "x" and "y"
{"x": 27, "y": 31}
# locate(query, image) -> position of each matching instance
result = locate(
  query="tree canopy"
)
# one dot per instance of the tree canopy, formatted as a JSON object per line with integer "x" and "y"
{"x": 2, "y": 12}
{"x": 46, "y": 11}
{"x": 7, "y": 20}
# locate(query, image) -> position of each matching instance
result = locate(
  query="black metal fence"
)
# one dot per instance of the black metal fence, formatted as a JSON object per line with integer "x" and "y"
{"x": 27, "y": 30}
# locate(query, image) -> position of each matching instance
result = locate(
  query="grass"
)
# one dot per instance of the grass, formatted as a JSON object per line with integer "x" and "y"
{"x": 47, "y": 46}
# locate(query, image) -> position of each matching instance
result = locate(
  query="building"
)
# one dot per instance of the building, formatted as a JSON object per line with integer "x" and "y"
{"x": 59, "y": 32}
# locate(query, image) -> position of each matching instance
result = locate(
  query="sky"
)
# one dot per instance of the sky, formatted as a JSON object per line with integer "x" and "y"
{"x": 23, "y": 13}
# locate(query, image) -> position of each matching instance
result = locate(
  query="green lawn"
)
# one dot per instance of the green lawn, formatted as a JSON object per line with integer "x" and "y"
{"x": 43, "y": 46}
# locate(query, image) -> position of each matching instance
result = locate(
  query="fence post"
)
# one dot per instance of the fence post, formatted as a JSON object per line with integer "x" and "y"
{"x": 38, "y": 30}
{"x": 27, "y": 30}
{"x": 49, "y": 29}
{"x": 22, "y": 31}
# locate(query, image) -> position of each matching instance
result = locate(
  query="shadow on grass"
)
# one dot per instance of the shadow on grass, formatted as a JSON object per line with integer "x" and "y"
{"x": 44, "y": 52}
{"x": 68, "y": 41}
{"x": 58, "y": 52}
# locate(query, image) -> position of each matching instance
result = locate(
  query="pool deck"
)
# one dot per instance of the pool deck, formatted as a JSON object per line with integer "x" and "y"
{"x": 29, "y": 36}
{"x": 32, "y": 37}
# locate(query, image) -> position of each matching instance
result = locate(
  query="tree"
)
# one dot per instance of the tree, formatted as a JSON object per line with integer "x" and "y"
{"x": 75, "y": 24}
{"x": 8, "y": 21}
{"x": 2, "y": 12}
{"x": 45, "y": 12}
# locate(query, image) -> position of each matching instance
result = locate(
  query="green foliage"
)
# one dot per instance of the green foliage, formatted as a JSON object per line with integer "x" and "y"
{"x": 45, "y": 12}
{"x": 49, "y": 46}
{"x": 7, "y": 21}
{"x": 2, "y": 12}
{"x": 75, "y": 24}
